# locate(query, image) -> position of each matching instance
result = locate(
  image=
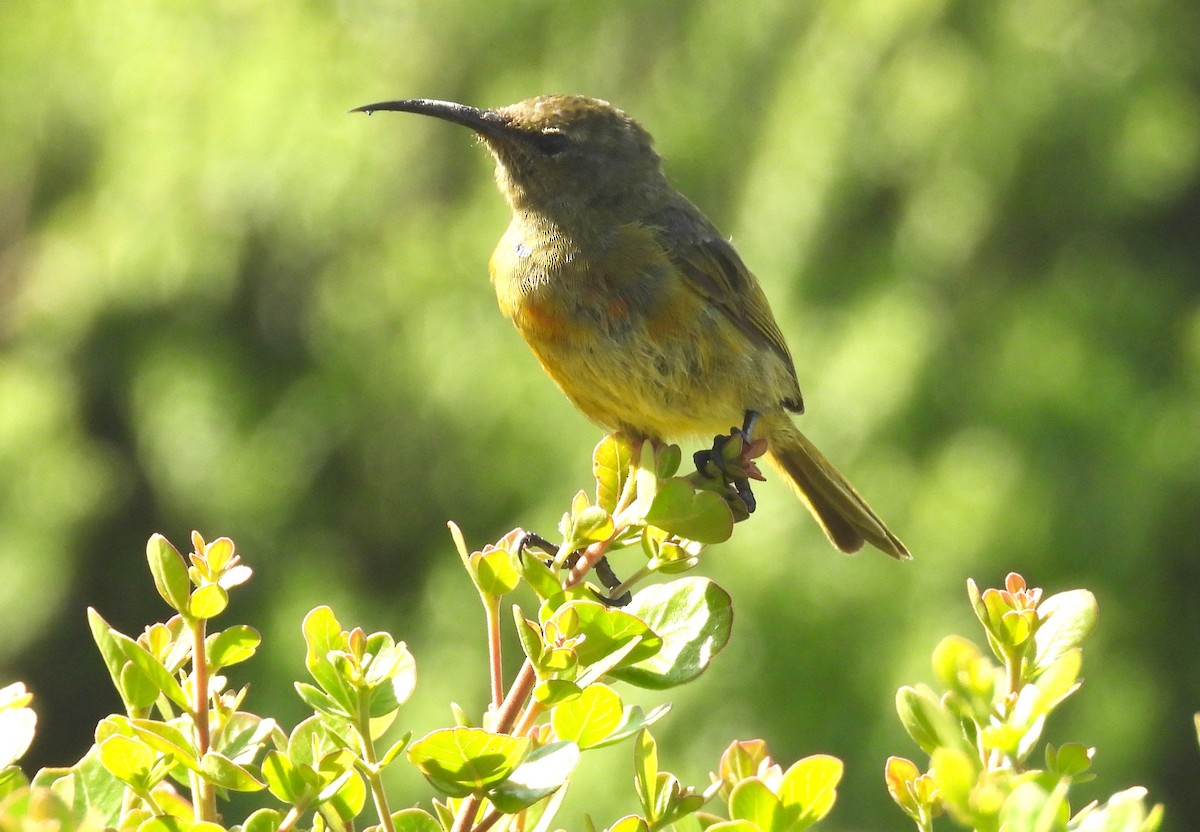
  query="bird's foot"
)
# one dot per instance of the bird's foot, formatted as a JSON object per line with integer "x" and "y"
{"x": 731, "y": 461}
{"x": 603, "y": 569}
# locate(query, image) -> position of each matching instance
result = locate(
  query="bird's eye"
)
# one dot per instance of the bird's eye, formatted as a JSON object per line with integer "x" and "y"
{"x": 553, "y": 143}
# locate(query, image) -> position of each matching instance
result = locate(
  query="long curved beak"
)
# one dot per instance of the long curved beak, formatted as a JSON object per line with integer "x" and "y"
{"x": 485, "y": 122}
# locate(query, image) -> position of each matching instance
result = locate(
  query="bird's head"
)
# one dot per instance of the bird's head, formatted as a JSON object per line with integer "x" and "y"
{"x": 558, "y": 153}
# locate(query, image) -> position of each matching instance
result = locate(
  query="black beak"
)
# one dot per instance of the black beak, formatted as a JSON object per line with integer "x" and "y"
{"x": 487, "y": 123}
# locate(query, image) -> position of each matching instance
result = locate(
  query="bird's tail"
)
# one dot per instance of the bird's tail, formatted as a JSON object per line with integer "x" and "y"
{"x": 845, "y": 517}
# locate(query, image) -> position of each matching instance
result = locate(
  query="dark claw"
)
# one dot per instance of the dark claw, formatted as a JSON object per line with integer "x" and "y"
{"x": 743, "y": 488}
{"x": 610, "y": 580}
{"x": 528, "y": 539}
{"x": 712, "y": 463}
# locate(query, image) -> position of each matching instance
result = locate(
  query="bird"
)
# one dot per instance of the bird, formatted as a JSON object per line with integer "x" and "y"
{"x": 634, "y": 303}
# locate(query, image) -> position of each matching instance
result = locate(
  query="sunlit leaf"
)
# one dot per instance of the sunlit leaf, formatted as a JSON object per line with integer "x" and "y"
{"x": 589, "y": 718}
{"x": 208, "y": 601}
{"x": 610, "y": 466}
{"x": 236, "y": 644}
{"x": 693, "y": 617}
{"x": 696, "y": 515}
{"x": 541, "y": 774}
{"x": 463, "y": 761}
{"x": 169, "y": 571}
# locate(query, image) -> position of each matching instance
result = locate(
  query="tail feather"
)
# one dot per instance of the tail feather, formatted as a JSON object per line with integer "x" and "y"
{"x": 844, "y": 516}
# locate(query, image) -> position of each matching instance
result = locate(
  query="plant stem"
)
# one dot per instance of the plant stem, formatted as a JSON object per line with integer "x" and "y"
{"x": 372, "y": 768}
{"x": 629, "y": 582}
{"x": 466, "y": 814}
{"x": 1012, "y": 666}
{"x": 492, "y": 613}
{"x": 506, "y": 716}
{"x": 591, "y": 555}
{"x": 527, "y": 719}
{"x": 290, "y": 819}
{"x": 205, "y": 798}
{"x": 488, "y": 821}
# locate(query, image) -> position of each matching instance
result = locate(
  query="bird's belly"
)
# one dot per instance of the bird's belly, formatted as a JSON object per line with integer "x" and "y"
{"x": 671, "y": 375}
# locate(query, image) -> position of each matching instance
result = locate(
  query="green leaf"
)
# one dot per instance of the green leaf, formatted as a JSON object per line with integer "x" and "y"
{"x": 171, "y": 823}
{"x": 810, "y": 785}
{"x": 955, "y": 773}
{"x": 1069, "y": 618}
{"x": 752, "y": 801}
{"x": 591, "y": 524}
{"x": 693, "y": 617}
{"x": 632, "y": 721}
{"x": 666, "y": 460}
{"x": 630, "y": 823}
{"x": 1125, "y": 811}
{"x": 589, "y": 718}
{"x": 610, "y": 466}
{"x": 464, "y": 761}
{"x": 605, "y": 630}
{"x": 11, "y": 780}
{"x": 415, "y": 820}
{"x": 208, "y": 601}
{"x": 391, "y": 676}
{"x": 733, "y": 826}
{"x": 495, "y": 572}
{"x": 539, "y": 577}
{"x": 530, "y": 635}
{"x": 263, "y": 820}
{"x": 150, "y": 667}
{"x": 323, "y": 635}
{"x": 1070, "y": 759}
{"x": 244, "y": 735}
{"x": 136, "y": 689}
{"x": 552, "y": 692}
{"x": 696, "y": 515}
{"x": 231, "y": 646}
{"x": 394, "y": 750}
{"x": 952, "y": 659}
{"x": 320, "y": 701}
{"x": 223, "y": 772}
{"x": 1031, "y": 807}
{"x": 170, "y": 572}
{"x": 129, "y": 760}
{"x": 645, "y": 771}
{"x": 927, "y": 721}
{"x": 543, "y": 772}
{"x": 342, "y": 799}
{"x": 91, "y": 788}
{"x": 1057, "y": 681}
{"x": 742, "y": 759}
{"x": 290, "y": 783}
{"x": 167, "y": 739}
{"x": 315, "y": 740}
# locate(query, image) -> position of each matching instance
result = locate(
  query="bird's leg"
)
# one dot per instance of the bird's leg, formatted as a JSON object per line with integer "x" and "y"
{"x": 608, "y": 577}
{"x": 735, "y": 467}
{"x": 604, "y": 570}
{"x": 742, "y": 483}
{"x": 748, "y": 425}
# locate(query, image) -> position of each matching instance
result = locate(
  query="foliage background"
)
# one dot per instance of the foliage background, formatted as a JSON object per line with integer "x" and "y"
{"x": 225, "y": 304}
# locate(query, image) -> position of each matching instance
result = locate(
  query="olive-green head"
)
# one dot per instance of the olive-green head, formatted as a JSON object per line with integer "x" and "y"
{"x": 558, "y": 155}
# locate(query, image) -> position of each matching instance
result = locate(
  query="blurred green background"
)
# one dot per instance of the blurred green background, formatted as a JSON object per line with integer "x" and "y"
{"x": 225, "y": 304}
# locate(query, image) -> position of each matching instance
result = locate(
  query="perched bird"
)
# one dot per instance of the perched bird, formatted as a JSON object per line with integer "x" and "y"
{"x": 634, "y": 303}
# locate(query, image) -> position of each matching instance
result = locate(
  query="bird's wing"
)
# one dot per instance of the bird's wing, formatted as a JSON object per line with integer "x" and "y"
{"x": 713, "y": 269}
